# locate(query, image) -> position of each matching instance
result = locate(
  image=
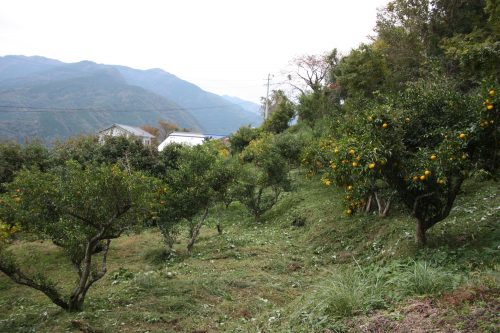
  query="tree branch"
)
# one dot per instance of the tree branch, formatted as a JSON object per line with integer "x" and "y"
{"x": 96, "y": 277}
{"x": 9, "y": 268}
{"x": 417, "y": 200}
{"x": 81, "y": 218}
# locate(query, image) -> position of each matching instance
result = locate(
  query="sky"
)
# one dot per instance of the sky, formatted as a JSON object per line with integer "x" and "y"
{"x": 224, "y": 46}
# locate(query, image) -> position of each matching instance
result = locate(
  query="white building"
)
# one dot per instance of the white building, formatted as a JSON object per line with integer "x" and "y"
{"x": 126, "y": 131}
{"x": 187, "y": 138}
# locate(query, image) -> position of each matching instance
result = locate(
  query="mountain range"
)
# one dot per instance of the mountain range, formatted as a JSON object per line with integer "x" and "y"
{"x": 49, "y": 99}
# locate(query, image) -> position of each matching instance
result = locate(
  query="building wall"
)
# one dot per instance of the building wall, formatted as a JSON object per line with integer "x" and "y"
{"x": 184, "y": 140}
{"x": 117, "y": 131}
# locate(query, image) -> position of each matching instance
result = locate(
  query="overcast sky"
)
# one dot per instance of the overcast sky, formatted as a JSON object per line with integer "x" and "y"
{"x": 224, "y": 46}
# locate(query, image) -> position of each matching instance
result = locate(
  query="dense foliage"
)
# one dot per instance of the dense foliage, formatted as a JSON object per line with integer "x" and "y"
{"x": 412, "y": 126}
{"x": 79, "y": 209}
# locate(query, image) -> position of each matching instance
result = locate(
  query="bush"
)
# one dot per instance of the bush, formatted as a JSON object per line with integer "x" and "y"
{"x": 242, "y": 137}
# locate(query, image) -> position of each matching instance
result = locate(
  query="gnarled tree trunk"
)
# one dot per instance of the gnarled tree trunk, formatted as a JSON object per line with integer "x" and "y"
{"x": 420, "y": 236}
{"x": 196, "y": 231}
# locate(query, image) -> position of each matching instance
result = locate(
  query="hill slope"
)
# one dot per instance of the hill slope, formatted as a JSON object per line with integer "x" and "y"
{"x": 216, "y": 114}
{"x": 49, "y": 99}
{"x": 249, "y": 106}
{"x": 334, "y": 274}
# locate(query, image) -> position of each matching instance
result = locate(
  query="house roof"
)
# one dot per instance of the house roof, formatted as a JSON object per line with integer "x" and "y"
{"x": 187, "y": 134}
{"x": 132, "y": 130}
{"x": 188, "y": 138}
{"x": 196, "y": 135}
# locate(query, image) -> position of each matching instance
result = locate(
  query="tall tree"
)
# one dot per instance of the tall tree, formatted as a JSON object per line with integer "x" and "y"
{"x": 312, "y": 71}
{"x": 281, "y": 112}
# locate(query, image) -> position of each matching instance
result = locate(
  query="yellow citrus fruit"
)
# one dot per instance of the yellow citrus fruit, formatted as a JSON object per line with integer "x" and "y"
{"x": 427, "y": 173}
{"x": 415, "y": 178}
{"x": 464, "y": 156}
{"x": 462, "y": 136}
{"x": 489, "y": 106}
{"x": 491, "y": 92}
{"x": 354, "y": 164}
{"x": 370, "y": 118}
{"x": 336, "y": 151}
{"x": 422, "y": 178}
{"x": 385, "y": 125}
{"x": 371, "y": 166}
{"x": 433, "y": 157}
{"x": 352, "y": 151}
{"x": 349, "y": 211}
{"x": 349, "y": 188}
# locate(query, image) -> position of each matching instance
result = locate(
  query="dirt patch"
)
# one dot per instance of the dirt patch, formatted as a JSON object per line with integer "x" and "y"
{"x": 293, "y": 267}
{"x": 465, "y": 310}
{"x": 464, "y": 296}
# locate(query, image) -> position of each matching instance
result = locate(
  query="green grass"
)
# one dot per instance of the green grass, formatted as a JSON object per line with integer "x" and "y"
{"x": 273, "y": 276}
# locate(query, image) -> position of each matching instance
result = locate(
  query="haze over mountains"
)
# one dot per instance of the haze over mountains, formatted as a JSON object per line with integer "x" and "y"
{"x": 48, "y": 99}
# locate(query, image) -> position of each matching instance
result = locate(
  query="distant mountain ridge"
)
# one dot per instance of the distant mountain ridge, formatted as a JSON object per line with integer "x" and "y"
{"x": 247, "y": 105}
{"x": 49, "y": 99}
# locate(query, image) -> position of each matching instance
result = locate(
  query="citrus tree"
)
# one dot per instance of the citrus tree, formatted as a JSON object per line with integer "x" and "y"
{"x": 81, "y": 210}
{"x": 242, "y": 137}
{"x": 420, "y": 146}
{"x": 263, "y": 175}
{"x": 200, "y": 178}
{"x": 14, "y": 157}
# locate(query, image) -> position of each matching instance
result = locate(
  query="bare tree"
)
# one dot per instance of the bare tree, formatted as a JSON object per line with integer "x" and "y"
{"x": 312, "y": 72}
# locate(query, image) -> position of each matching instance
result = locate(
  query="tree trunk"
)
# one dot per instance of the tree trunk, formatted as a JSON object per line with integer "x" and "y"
{"x": 196, "y": 231}
{"x": 421, "y": 237}
{"x": 88, "y": 277}
{"x": 256, "y": 214}
{"x": 383, "y": 205}
{"x": 76, "y": 303}
{"x": 368, "y": 205}
{"x": 257, "y": 211}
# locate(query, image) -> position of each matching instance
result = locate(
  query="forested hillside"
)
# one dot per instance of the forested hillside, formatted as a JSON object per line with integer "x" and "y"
{"x": 47, "y": 99}
{"x": 376, "y": 212}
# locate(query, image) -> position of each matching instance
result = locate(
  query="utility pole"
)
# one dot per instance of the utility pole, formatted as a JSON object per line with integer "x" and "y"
{"x": 267, "y": 97}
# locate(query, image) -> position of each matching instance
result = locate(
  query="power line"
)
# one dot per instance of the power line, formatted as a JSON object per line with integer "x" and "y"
{"x": 35, "y": 109}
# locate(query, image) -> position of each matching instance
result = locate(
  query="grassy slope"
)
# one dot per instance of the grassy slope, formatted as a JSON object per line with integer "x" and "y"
{"x": 334, "y": 274}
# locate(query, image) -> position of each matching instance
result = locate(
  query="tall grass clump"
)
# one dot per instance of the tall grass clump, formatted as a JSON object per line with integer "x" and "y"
{"x": 422, "y": 279}
{"x": 343, "y": 294}
{"x": 147, "y": 280}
